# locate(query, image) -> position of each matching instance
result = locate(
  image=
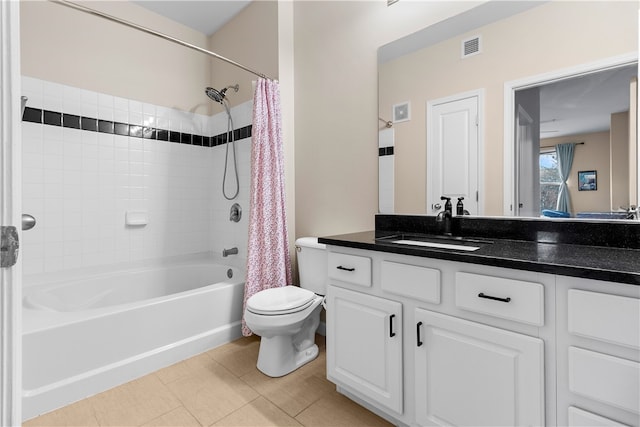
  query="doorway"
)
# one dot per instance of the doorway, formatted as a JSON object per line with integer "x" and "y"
{"x": 573, "y": 103}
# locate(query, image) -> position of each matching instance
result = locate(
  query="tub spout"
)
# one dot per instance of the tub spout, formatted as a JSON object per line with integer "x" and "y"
{"x": 227, "y": 252}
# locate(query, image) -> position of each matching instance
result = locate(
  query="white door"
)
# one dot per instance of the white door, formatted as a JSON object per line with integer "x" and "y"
{"x": 10, "y": 169}
{"x": 472, "y": 374}
{"x": 364, "y": 345}
{"x": 453, "y": 152}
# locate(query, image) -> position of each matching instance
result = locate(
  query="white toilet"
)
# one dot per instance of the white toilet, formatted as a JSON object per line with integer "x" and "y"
{"x": 287, "y": 318}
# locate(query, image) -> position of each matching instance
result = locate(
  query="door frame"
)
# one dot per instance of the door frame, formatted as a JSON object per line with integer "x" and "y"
{"x": 477, "y": 93}
{"x": 510, "y": 87}
{"x": 10, "y": 214}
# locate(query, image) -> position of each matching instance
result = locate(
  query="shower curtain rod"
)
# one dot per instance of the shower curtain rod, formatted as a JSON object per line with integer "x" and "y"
{"x": 156, "y": 33}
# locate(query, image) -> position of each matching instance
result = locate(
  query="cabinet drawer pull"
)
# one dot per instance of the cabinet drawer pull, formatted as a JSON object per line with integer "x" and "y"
{"x": 418, "y": 334}
{"x": 345, "y": 268}
{"x": 481, "y": 295}
{"x": 391, "y": 333}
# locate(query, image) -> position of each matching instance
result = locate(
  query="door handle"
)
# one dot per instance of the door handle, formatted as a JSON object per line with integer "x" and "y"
{"x": 419, "y": 342}
{"x": 436, "y": 206}
{"x": 482, "y": 295}
{"x": 391, "y": 333}
{"x": 28, "y": 222}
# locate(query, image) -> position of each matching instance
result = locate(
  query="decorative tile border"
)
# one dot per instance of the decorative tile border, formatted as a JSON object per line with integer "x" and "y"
{"x": 385, "y": 151}
{"x": 54, "y": 118}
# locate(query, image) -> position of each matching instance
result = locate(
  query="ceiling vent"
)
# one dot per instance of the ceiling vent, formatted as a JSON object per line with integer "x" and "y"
{"x": 471, "y": 46}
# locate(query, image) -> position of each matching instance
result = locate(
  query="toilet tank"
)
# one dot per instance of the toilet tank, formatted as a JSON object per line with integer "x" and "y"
{"x": 312, "y": 264}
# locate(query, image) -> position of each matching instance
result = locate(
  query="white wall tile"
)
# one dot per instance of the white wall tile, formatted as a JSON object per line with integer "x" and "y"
{"x": 82, "y": 183}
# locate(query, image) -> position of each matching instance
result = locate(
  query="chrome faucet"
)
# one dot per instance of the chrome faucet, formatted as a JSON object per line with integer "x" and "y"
{"x": 446, "y": 215}
{"x": 227, "y": 252}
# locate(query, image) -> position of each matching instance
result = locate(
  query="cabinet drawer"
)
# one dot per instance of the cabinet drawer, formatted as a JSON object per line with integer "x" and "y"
{"x": 350, "y": 268}
{"x": 412, "y": 281}
{"x": 505, "y": 298}
{"x": 606, "y": 379}
{"x": 604, "y": 317}
{"x": 580, "y": 418}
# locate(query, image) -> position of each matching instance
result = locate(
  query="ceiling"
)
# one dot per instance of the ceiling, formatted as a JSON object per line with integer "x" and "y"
{"x": 201, "y": 15}
{"x": 584, "y": 104}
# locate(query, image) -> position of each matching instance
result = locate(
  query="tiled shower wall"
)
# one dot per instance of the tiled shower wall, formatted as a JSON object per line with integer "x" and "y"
{"x": 82, "y": 173}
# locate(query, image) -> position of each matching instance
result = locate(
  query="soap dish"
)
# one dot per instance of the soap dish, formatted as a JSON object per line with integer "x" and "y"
{"x": 136, "y": 218}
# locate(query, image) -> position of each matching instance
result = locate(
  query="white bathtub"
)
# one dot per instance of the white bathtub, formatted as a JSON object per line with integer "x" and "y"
{"x": 85, "y": 335}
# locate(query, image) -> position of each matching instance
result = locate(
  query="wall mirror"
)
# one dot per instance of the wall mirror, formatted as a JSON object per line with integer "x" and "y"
{"x": 540, "y": 74}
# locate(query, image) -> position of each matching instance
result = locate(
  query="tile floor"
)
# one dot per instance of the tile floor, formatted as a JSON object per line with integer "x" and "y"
{"x": 221, "y": 387}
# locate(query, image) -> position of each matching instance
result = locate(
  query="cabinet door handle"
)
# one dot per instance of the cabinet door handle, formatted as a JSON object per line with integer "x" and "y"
{"x": 391, "y": 333}
{"x": 345, "y": 268}
{"x": 418, "y": 334}
{"x": 481, "y": 295}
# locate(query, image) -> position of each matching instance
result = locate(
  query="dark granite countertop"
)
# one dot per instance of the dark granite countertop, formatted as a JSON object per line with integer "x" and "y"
{"x": 613, "y": 264}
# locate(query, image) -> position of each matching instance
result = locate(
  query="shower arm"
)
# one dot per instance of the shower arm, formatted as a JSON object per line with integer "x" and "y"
{"x": 156, "y": 33}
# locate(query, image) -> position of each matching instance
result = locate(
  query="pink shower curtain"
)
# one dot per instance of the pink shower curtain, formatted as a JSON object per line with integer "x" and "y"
{"x": 268, "y": 262}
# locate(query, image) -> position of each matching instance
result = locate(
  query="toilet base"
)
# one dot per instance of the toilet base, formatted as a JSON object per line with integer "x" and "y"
{"x": 282, "y": 357}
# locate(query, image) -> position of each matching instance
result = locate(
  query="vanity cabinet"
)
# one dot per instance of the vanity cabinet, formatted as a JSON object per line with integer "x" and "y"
{"x": 364, "y": 334}
{"x": 598, "y": 334}
{"x": 468, "y": 373}
{"x": 410, "y": 338}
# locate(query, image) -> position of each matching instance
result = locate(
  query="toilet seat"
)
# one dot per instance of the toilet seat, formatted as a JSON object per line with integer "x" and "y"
{"x": 283, "y": 300}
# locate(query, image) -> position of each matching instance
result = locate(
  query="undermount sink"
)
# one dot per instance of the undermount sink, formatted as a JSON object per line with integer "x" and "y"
{"x": 457, "y": 246}
{"x": 436, "y": 241}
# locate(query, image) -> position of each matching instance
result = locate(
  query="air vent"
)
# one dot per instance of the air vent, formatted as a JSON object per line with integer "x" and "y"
{"x": 471, "y": 46}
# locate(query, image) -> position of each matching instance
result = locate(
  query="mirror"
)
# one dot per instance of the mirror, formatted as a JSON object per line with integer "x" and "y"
{"x": 500, "y": 49}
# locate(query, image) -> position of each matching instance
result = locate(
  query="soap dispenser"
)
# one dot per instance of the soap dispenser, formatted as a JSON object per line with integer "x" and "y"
{"x": 460, "y": 207}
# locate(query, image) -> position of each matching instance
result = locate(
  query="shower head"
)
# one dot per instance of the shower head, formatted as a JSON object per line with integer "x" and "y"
{"x": 219, "y": 95}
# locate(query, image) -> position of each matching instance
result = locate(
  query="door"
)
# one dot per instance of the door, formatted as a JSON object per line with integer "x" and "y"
{"x": 468, "y": 373}
{"x": 527, "y": 197}
{"x": 364, "y": 345}
{"x": 453, "y": 152}
{"x": 10, "y": 169}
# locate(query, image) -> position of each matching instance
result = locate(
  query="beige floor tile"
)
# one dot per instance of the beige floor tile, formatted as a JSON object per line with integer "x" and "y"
{"x": 204, "y": 390}
{"x": 134, "y": 403}
{"x": 336, "y": 410}
{"x": 183, "y": 369}
{"x": 178, "y": 417}
{"x": 292, "y": 393}
{"x": 239, "y": 356}
{"x": 259, "y": 412}
{"x": 212, "y": 392}
{"x": 77, "y": 414}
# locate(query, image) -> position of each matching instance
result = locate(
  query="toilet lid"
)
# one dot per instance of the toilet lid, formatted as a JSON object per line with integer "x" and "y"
{"x": 286, "y": 299}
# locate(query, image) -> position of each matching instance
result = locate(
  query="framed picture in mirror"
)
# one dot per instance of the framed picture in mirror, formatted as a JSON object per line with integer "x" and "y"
{"x": 587, "y": 180}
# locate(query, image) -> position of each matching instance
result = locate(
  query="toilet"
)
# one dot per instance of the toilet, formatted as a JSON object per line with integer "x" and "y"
{"x": 286, "y": 318}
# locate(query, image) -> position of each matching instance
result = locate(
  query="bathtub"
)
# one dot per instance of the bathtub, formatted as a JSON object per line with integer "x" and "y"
{"x": 88, "y": 333}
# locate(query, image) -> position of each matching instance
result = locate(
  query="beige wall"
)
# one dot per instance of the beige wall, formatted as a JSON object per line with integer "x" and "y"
{"x": 66, "y": 46}
{"x": 251, "y": 39}
{"x": 329, "y": 50}
{"x": 619, "y": 160}
{"x": 593, "y": 155}
{"x": 336, "y": 99}
{"x": 546, "y": 38}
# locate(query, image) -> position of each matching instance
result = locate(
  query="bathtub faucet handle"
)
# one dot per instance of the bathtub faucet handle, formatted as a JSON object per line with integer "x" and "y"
{"x": 227, "y": 252}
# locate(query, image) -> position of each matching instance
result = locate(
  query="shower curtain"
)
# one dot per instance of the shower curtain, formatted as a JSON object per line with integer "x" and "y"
{"x": 268, "y": 261}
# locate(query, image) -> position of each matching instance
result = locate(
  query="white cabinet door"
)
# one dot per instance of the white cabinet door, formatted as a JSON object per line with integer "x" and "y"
{"x": 364, "y": 345}
{"x": 472, "y": 374}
